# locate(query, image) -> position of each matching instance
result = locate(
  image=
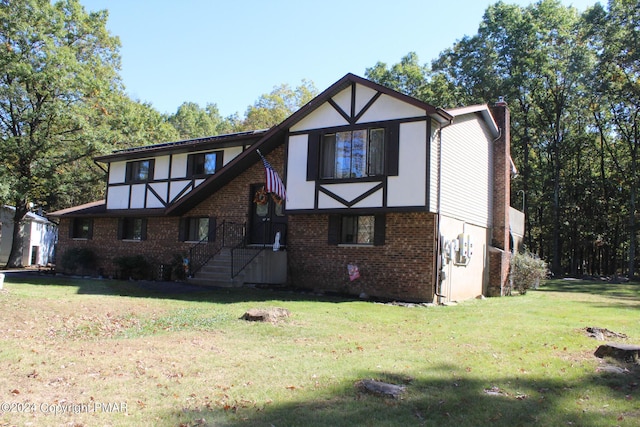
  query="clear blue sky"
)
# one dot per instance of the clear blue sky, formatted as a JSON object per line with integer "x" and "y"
{"x": 230, "y": 52}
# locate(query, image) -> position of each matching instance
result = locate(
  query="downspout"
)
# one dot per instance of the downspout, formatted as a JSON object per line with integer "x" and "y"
{"x": 438, "y": 263}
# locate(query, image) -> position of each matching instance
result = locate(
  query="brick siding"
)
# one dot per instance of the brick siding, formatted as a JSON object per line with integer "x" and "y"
{"x": 402, "y": 268}
{"x": 230, "y": 203}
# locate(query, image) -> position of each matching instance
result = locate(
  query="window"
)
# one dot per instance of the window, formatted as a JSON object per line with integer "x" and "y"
{"x": 132, "y": 229}
{"x": 195, "y": 229}
{"x": 357, "y": 229}
{"x": 204, "y": 163}
{"x": 81, "y": 228}
{"x": 140, "y": 170}
{"x": 353, "y": 154}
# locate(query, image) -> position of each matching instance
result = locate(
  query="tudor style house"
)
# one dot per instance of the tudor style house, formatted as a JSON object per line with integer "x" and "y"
{"x": 385, "y": 196}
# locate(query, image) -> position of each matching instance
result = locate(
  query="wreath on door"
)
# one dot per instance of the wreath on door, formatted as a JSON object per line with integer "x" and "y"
{"x": 260, "y": 198}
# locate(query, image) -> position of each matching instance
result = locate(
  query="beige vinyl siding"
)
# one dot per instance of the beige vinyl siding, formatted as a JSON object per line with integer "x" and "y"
{"x": 466, "y": 171}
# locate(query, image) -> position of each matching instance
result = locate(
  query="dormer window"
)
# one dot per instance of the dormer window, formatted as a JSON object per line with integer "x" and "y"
{"x": 204, "y": 163}
{"x": 140, "y": 170}
{"x": 353, "y": 154}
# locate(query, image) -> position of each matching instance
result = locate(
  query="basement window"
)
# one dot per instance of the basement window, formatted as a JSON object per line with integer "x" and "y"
{"x": 132, "y": 229}
{"x": 81, "y": 228}
{"x": 196, "y": 229}
{"x": 365, "y": 230}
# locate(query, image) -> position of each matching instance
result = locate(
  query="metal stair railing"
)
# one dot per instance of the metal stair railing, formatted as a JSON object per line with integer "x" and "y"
{"x": 242, "y": 255}
{"x": 227, "y": 234}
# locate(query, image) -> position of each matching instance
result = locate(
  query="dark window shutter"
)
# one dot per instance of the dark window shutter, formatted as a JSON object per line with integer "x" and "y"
{"x": 90, "y": 231}
{"x": 143, "y": 231}
{"x": 182, "y": 230}
{"x": 379, "y": 231}
{"x": 334, "y": 229}
{"x": 152, "y": 164}
{"x": 120, "y": 228}
{"x": 190, "y": 164}
{"x": 212, "y": 229}
{"x": 219, "y": 158}
{"x": 313, "y": 156}
{"x": 393, "y": 149}
{"x": 72, "y": 227}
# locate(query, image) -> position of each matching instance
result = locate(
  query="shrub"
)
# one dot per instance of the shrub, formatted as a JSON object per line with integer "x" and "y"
{"x": 178, "y": 267}
{"x": 82, "y": 260}
{"x": 527, "y": 271}
{"x": 133, "y": 267}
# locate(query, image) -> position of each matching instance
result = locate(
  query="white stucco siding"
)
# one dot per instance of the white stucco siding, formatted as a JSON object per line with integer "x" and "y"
{"x": 118, "y": 197}
{"x": 389, "y": 108}
{"x": 161, "y": 167}
{"x": 409, "y": 187}
{"x": 176, "y": 187}
{"x": 300, "y": 192}
{"x": 161, "y": 189}
{"x": 349, "y": 193}
{"x": 324, "y": 116}
{"x": 230, "y": 154}
{"x": 179, "y": 165}
{"x": 467, "y": 160}
{"x": 117, "y": 172}
{"x": 363, "y": 96}
{"x": 138, "y": 193}
{"x": 343, "y": 99}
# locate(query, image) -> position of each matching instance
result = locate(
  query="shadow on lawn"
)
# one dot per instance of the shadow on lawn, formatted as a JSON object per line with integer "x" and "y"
{"x": 627, "y": 293}
{"x": 458, "y": 401}
{"x": 169, "y": 290}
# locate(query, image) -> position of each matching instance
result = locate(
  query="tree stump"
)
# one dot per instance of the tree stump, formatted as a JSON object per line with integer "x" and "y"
{"x": 623, "y": 352}
{"x": 381, "y": 389}
{"x": 272, "y": 314}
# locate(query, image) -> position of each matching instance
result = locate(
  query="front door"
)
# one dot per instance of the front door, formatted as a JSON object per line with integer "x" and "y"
{"x": 267, "y": 217}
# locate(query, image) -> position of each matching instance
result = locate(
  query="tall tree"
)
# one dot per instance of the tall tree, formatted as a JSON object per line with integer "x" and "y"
{"x": 615, "y": 35}
{"x": 192, "y": 121}
{"x": 58, "y": 67}
{"x": 272, "y": 108}
{"x": 407, "y": 76}
{"x": 531, "y": 56}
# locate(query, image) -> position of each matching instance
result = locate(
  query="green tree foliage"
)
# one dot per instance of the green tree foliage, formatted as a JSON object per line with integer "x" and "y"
{"x": 272, "y": 108}
{"x": 408, "y": 77}
{"x": 58, "y": 68}
{"x": 192, "y": 121}
{"x": 615, "y": 36}
{"x": 571, "y": 81}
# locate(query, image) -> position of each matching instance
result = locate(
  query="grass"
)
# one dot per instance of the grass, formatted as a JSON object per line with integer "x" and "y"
{"x": 135, "y": 353}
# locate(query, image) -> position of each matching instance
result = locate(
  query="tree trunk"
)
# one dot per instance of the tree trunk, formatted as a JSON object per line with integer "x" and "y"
{"x": 15, "y": 256}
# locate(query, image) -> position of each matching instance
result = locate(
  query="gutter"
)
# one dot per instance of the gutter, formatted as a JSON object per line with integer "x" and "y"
{"x": 438, "y": 262}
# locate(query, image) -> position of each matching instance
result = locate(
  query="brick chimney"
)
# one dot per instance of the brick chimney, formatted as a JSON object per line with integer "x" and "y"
{"x": 500, "y": 252}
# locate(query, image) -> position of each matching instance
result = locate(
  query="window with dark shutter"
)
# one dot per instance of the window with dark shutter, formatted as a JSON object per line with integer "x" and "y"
{"x": 140, "y": 170}
{"x": 196, "y": 229}
{"x": 132, "y": 229}
{"x": 352, "y": 154}
{"x": 366, "y": 230}
{"x": 207, "y": 163}
{"x": 81, "y": 228}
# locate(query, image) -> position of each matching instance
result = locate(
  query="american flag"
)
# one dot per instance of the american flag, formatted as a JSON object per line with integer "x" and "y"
{"x": 274, "y": 183}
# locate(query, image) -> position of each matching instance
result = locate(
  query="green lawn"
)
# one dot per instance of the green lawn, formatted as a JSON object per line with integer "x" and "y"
{"x": 131, "y": 353}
